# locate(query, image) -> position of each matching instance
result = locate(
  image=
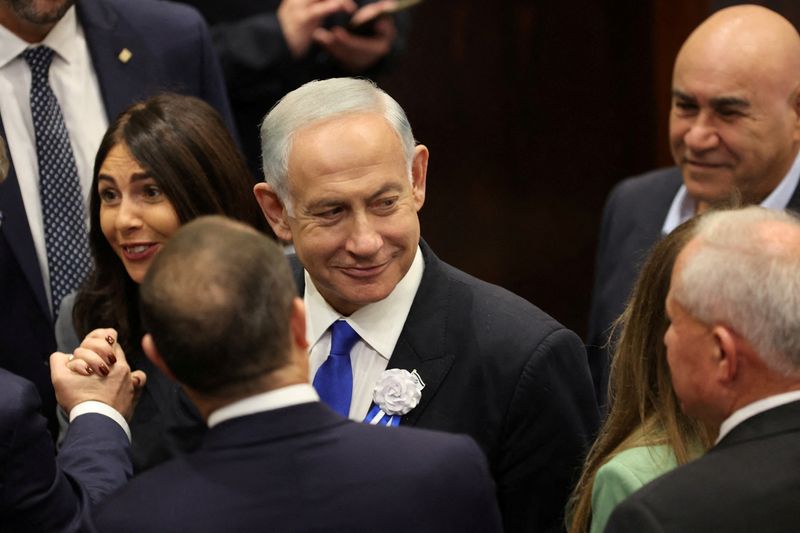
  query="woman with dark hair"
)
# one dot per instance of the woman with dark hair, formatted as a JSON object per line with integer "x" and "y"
{"x": 163, "y": 162}
{"x": 646, "y": 434}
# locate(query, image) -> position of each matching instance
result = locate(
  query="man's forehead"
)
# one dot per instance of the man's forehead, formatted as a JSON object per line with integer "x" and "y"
{"x": 342, "y": 143}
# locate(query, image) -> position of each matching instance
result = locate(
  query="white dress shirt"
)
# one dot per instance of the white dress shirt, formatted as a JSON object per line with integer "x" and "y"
{"x": 266, "y": 401}
{"x": 75, "y": 85}
{"x": 751, "y": 410}
{"x": 378, "y": 325}
{"x": 683, "y": 206}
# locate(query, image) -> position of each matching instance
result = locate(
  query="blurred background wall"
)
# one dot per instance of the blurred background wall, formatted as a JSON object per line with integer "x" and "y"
{"x": 532, "y": 111}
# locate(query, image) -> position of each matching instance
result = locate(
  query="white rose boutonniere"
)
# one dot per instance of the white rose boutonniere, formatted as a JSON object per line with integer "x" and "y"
{"x": 398, "y": 391}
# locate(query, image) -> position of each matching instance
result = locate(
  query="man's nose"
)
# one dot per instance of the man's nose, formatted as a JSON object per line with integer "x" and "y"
{"x": 702, "y": 135}
{"x": 365, "y": 240}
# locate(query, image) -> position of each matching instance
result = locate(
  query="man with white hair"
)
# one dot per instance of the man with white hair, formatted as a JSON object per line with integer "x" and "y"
{"x": 344, "y": 184}
{"x": 733, "y": 348}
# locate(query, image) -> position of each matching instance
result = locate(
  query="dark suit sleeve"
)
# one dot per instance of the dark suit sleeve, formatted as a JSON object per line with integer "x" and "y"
{"x": 96, "y": 453}
{"x": 632, "y": 516}
{"x": 550, "y": 422}
{"x": 36, "y": 494}
{"x": 254, "y": 43}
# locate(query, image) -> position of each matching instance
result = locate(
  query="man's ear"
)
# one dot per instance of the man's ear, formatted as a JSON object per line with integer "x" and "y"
{"x": 419, "y": 175}
{"x": 796, "y": 108}
{"x": 297, "y": 325}
{"x": 728, "y": 353}
{"x": 273, "y": 210}
{"x": 152, "y": 353}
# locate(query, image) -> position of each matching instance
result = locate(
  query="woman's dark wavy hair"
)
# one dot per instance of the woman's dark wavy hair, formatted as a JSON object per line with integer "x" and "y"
{"x": 181, "y": 142}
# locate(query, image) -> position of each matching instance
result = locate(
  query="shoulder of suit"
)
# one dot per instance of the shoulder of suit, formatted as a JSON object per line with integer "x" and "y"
{"x": 156, "y": 13}
{"x": 496, "y": 305}
{"x": 660, "y": 183}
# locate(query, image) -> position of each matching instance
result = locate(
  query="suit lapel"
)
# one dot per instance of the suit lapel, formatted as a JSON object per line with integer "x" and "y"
{"x": 107, "y": 35}
{"x": 422, "y": 345}
{"x": 17, "y": 233}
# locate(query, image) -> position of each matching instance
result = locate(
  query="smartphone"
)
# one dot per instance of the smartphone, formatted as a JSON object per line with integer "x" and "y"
{"x": 363, "y": 21}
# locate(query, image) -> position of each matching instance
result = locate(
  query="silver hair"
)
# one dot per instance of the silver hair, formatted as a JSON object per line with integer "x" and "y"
{"x": 321, "y": 100}
{"x": 746, "y": 276}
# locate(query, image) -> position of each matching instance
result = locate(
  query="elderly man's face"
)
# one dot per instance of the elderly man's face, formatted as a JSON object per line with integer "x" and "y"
{"x": 731, "y": 124}
{"x": 354, "y": 223}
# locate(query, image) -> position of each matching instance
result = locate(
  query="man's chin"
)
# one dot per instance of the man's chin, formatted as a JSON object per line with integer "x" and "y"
{"x": 41, "y": 15}
{"x": 709, "y": 187}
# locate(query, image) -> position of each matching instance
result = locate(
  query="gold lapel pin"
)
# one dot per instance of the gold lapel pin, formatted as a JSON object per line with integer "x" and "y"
{"x": 125, "y": 55}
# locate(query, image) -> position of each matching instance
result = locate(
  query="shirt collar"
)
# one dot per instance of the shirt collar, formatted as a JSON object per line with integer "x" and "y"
{"x": 378, "y": 324}
{"x": 60, "y": 39}
{"x": 265, "y": 401}
{"x": 755, "y": 408}
{"x": 684, "y": 206}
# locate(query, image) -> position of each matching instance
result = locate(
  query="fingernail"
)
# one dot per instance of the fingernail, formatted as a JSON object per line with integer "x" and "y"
{"x": 89, "y": 370}
{"x": 104, "y": 369}
{"x": 110, "y": 340}
{"x": 112, "y": 358}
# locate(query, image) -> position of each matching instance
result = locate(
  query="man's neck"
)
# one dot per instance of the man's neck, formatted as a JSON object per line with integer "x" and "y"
{"x": 208, "y": 403}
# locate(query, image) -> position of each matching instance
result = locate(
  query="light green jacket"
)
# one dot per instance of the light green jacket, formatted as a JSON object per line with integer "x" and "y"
{"x": 625, "y": 474}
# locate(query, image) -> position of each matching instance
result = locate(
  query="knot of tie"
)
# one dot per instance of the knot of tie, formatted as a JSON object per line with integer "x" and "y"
{"x": 343, "y": 338}
{"x": 38, "y": 59}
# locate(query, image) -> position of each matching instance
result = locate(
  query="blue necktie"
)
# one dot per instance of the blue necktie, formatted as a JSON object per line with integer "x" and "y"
{"x": 334, "y": 379}
{"x": 65, "y": 235}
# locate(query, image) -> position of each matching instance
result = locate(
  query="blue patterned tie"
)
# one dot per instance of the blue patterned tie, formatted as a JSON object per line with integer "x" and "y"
{"x": 65, "y": 234}
{"x": 334, "y": 379}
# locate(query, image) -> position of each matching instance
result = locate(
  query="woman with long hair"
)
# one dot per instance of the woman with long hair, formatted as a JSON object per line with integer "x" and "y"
{"x": 645, "y": 434}
{"x": 162, "y": 163}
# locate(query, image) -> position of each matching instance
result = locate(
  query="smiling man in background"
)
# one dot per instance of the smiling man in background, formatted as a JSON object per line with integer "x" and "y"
{"x": 735, "y": 133}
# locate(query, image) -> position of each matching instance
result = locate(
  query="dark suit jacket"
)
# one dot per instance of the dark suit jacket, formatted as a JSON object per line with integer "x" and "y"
{"x": 748, "y": 482}
{"x": 500, "y": 370}
{"x": 304, "y": 468}
{"x": 36, "y": 493}
{"x": 171, "y": 51}
{"x": 632, "y": 220}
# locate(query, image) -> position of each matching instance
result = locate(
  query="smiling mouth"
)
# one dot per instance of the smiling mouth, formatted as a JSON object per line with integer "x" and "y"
{"x": 365, "y": 271}
{"x": 137, "y": 252}
{"x": 703, "y": 164}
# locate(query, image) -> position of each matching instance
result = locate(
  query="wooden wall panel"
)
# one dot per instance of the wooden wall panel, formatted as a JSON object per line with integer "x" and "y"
{"x": 532, "y": 111}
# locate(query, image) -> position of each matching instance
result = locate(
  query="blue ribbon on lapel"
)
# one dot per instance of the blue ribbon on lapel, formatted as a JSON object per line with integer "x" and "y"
{"x": 376, "y": 417}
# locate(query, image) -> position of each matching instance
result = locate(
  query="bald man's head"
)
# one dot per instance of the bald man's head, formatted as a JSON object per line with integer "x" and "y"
{"x": 218, "y": 301}
{"x": 735, "y": 118}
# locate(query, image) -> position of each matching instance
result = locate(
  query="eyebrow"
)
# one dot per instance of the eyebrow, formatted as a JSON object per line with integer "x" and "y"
{"x": 335, "y": 203}
{"x": 138, "y": 176}
{"x": 717, "y": 102}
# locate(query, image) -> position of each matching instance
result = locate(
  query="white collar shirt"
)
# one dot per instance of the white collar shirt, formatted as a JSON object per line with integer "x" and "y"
{"x": 752, "y": 409}
{"x": 265, "y": 401}
{"x": 74, "y": 82}
{"x": 683, "y": 206}
{"x": 378, "y": 325}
